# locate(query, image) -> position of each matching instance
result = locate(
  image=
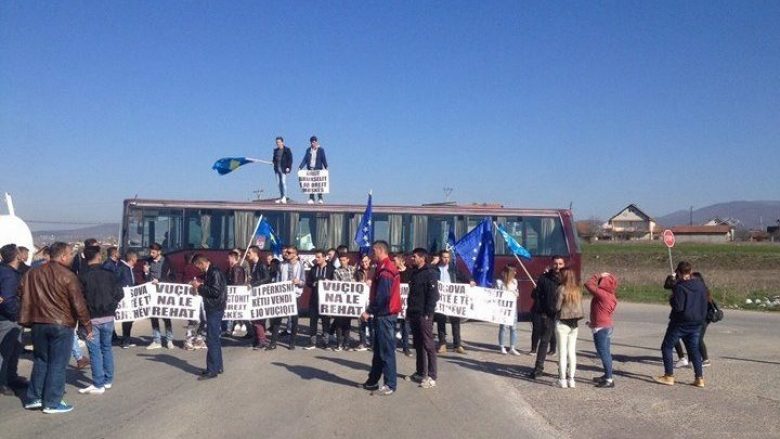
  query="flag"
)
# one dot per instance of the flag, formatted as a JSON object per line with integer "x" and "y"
{"x": 451, "y": 239}
{"x": 477, "y": 250}
{"x": 364, "y": 235}
{"x": 513, "y": 245}
{"x": 265, "y": 232}
{"x": 230, "y": 164}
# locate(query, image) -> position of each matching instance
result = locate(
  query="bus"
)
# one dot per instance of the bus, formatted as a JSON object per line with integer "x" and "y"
{"x": 183, "y": 228}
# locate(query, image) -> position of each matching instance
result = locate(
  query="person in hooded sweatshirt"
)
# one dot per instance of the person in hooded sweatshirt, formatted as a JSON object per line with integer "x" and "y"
{"x": 603, "y": 287}
{"x": 689, "y": 311}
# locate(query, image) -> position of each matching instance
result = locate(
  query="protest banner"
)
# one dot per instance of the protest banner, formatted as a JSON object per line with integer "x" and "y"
{"x": 273, "y": 300}
{"x": 314, "y": 181}
{"x": 237, "y": 307}
{"x": 404, "y": 297}
{"x": 343, "y": 299}
{"x": 135, "y": 304}
{"x": 477, "y": 303}
{"x": 174, "y": 301}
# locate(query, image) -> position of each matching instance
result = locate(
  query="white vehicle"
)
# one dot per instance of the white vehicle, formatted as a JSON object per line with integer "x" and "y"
{"x": 13, "y": 230}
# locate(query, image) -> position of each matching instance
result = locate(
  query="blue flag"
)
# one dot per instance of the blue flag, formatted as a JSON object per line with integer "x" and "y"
{"x": 513, "y": 245}
{"x": 451, "y": 239}
{"x": 229, "y": 164}
{"x": 364, "y": 236}
{"x": 265, "y": 232}
{"x": 477, "y": 250}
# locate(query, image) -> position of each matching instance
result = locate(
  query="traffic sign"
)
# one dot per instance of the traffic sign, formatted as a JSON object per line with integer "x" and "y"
{"x": 669, "y": 238}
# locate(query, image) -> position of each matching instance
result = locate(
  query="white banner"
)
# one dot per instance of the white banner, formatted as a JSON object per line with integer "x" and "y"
{"x": 404, "y": 298}
{"x": 135, "y": 304}
{"x": 273, "y": 300}
{"x": 314, "y": 181}
{"x": 477, "y": 303}
{"x": 343, "y": 299}
{"x": 175, "y": 301}
{"x": 237, "y": 307}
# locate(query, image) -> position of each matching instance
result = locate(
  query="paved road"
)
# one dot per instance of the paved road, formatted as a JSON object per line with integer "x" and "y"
{"x": 481, "y": 394}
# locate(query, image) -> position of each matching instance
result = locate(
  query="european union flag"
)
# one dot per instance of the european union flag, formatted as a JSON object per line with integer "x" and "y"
{"x": 364, "y": 235}
{"x": 229, "y": 164}
{"x": 513, "y": 245}
{"x": 266, "y": 232}
{"x": 477, "y": 250}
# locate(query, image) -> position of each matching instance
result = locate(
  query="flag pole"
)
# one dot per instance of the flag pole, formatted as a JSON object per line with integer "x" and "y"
{"x": 265, "y": 162}
{"x": 254, "y": 232}
{"x": 533, "y": 282}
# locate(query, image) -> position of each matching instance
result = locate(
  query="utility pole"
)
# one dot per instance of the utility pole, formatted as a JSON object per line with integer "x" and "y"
{"x": 447, "y": 193}
{"x": 690, "y": 223}
{"x": 258, "y": 194}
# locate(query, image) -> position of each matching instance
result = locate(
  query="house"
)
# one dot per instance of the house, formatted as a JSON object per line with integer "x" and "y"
{"x": 631, "y": 223}
{"x": 704, "y": 234}
{"x": 589, "y": 230}
{"x": 717, "y": 221}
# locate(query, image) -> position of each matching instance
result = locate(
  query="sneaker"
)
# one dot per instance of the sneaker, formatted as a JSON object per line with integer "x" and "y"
{"x": 82, "y": 362}
{"x": 599, "y": 379}
{"x": 514, "y": 351}
{"x": 665, "y": 379}
{"x": 563, "y": 384}
{"x": 361, "y": 348}
{"x": 428, "y": 383}
{"x": 503, "y": 350}
{"x": 323, "y": 202}
{"x": 370, "y": 387}
{"x": 153, "y": 345}
{"x": 384, "y": 390}
{"x": 107, "y": 385}
{"x": 270, "y": 347}
{"x": 706, "y": 363}
{"x": 34, "y": 405}
{"x": 606, "y": 384}
{"x": 443, "y": 349}
{"x": 417, "y": 378}
{"x": 699, "y": 382}
{"x": 682, "y": 362}
{"x": 337, "y": 349}
{"x": 408, "y": 353}
{"x": 572, "y": 384}
{"x": 125, "y": 344}
{"x": 92, "y": 390}
{"x": 278, "y": 201}
{"x": 460, "y": 350}
{"x": 62, "y": 407}
{"x": 284, "y": 200}
{"x": 188, "y": 346}
{"x": 310, "y": 201}
{"x": 169, "y": 344}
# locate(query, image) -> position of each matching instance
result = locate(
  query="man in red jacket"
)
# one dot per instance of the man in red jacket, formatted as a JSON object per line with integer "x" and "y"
{"x": 602, "y": 287}
{"x": 383, "y": 306}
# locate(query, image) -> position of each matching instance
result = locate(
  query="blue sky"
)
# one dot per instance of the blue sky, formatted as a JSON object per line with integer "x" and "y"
{"x": 530, "y": 104}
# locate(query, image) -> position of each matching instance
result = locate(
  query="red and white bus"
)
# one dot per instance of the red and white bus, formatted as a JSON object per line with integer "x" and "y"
{"x": 215, "y": 227}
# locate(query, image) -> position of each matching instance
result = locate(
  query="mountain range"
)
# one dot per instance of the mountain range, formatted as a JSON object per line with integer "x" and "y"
{"x": 751, "y": 215}
{"x": 108, "y": 232}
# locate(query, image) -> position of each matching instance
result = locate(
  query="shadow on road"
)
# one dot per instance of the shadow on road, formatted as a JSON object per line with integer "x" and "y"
{"x": 354, "y": 365}
{"x": 311, "y": 373}
{"x": 751, "y": 361}
{"x": 173, "y": 361}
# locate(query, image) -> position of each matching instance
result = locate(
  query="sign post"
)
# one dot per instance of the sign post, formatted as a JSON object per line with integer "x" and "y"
{"x": 669, "y": 241}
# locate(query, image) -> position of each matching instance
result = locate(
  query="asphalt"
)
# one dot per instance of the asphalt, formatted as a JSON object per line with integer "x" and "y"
{"x": 480, "y": 394}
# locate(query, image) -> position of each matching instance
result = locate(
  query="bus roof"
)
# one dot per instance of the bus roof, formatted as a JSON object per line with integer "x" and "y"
{"x": 269, "y": 205}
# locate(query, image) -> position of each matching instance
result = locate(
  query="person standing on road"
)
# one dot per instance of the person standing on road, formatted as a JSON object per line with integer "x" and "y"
{"x": 420, "y": 309}
{"x": 345, "y": 273}
{"x": 545, "y": 298}
{"x": 282, "y": 161}
{"x": 406, "y": 274}
{"x": 102, "y": 293}
{"x": 23, "y": 255}
{"x": 448, "y": 273}
{"x": 689, "y": 311}
{"x": 682, "y": 359}
{"x": 157, "y": 269}
{"x": 365, "y": 274}
{"x": 508, "y": 282}
{"x": 127, "y": 279}
{"x": 569, "y": 308}
{"x": 320, "y": 271}
{"x": 293, "y": 271}
{"x": 213, "y": 289}
{"x": 383, "y": 307}
{"x": 259, "y": 274}
{"x": 52, "y": 303}
{"x": 603, "y": 288}
{"x": 314, "y": 159}
{"x": 10, "y": 331}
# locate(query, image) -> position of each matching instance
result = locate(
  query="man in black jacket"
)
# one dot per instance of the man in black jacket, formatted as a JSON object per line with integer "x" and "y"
{"x": 282, "y": 160}
{"x": 448, "y": 273}
{"x": 102, "y": 293}
{"x": 157, "y": 269}
{"x": 321, "y": 270}
{"x": 545, "y": 300}
{"x": 10, "y": 331}
{"x": 259, "y": 274}
{"x": 689, "y": 310}
{"x": 420, "y": 308}
{"x": 213, "y": 289}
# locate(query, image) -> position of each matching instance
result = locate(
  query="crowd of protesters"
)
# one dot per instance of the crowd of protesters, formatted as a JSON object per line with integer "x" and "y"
{"x": 66, "y": 297}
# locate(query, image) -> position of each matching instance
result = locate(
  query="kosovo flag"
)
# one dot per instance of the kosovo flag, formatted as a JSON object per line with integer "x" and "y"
{"x": 229, "y": 164}
{"x": 364, "y": 235}
{"x": 513, "y": 245}
{"x": 266, "y": 232}
{"x": 477, "y": 250}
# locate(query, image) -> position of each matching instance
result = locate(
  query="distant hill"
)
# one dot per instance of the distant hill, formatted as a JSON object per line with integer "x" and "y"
{"x": 751, "y": 214}
{"x": 103, "y": 232}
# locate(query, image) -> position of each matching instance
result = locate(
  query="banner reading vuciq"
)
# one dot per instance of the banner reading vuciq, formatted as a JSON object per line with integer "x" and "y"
{"x": 166, "y": 300}
{"x": 477, "y": 303}
{"x": 343, "y": 299}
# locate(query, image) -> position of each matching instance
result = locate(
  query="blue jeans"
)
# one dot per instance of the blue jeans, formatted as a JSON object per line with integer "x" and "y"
{"x": 689, "y": 333}
{"x": 512, "y": 335}
{"x": 405, "y": 329}
{"x": 51, "y": 347}
{"x": 383, "y": 362}
{"x": 281, "y": 179}
{"x": 75, "y": 350}
{"x": 100, "y": 356}
{"x": 10, "y": 349}
{"x": 213, "y": 341}
{"x": 603, "y": 339}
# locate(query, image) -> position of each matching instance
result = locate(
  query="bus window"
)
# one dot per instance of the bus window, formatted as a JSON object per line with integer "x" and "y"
{"x": 336, "y": 228}
{"x": 163, "y": 227}
{"x": 419, "y": 235}
{"x": 544, "y": 236}
{"x": 438, "y": 230}
{"x": 514, "y": 227}
{"x": 210, "y": 229}
{"x": 135, "y": 229}
{"x": 304, "y": 229}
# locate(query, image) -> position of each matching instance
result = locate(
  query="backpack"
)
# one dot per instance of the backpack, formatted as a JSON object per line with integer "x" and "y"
{"x": 714, "y": 313}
